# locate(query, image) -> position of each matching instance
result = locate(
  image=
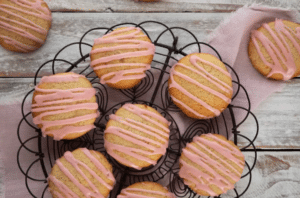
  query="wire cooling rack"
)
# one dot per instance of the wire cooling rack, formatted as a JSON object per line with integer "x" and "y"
{"x": 166, "y": 170}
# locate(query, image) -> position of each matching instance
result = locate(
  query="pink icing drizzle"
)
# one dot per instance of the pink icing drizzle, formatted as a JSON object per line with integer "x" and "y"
{"x": 147, "y": 115}
{"x": 128, "y": 38}
{"x": 283, "y": 54}
{"x": 189, "y": 172}
{"x": 76, "y": 163}
{"x": 40, "y": 11}
{"x": 63, "y": 96}
{"x": 121, "y": 74}
{"x": 131, "y": 194}
{"x": 62, "y": 188}
{"x": 203, "y": 73}
{"x": 139, "y": 140}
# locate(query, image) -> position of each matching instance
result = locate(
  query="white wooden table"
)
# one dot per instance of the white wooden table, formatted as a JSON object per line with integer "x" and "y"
{"x": 276, "y": 175}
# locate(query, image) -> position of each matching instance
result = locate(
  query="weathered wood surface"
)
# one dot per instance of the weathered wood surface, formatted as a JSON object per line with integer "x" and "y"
{"x": 162, "y": 5}
{"x": 276, "y": 175}
{"x": 279, "y": 119}
{"x": 278, "y": 116}
{"x": 70, "y": 27}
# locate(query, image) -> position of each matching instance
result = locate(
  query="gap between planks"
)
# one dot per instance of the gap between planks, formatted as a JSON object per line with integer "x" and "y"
{"x": 125, "y": 6}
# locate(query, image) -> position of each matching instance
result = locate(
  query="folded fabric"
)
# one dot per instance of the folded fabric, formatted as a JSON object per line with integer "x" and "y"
{"x": 231, "y": 39}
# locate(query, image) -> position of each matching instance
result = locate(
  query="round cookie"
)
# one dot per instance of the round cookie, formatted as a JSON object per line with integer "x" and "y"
{"x": 145, "y": 189}
{"x": 81, "y": 173}
{"x": 24, "y": 24}
{"x": 200, "y": 85}
{"x": 136, "y": 136}
{"x": 274, "y": 49}
{"x": 210, "y": 165}
{"x": 121, "y": 57}
{"x": 64, "y": 106}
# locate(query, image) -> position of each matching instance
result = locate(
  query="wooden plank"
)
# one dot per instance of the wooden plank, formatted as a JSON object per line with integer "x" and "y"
{"x": 69, "y": 27}
{"x": 13, "y": 90}
{"x": 162, "y": 5}
{"x": 279, "y": 119}
{"x": 276, "y": 175}
{"x": 279, "y": 124}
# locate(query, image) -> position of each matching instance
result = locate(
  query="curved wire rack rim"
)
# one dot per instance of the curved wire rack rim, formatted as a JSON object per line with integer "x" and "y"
{"x": 172, "y": 49}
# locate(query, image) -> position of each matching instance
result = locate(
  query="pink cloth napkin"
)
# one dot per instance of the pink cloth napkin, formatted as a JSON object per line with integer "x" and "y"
{"x": 230, "y": 39}
{"x": 12, "y": 181}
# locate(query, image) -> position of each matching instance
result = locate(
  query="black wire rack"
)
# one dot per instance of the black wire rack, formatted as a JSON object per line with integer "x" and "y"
{"x": 166, "y": 170}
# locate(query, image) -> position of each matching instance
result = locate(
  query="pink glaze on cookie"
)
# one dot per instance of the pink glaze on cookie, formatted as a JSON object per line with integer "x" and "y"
{"x": 206, "y": 75}
{"x": 60, "y": 98}
{"x": 123, "y": 74}
{"x": 90, "y": 190}
{"x": 34, "y": 8}
{"x": 131, "y": 193}
{"x": 62, "y": 188}
{"x": 193, "y": 175}
{"x": 145, "y": 48}
{"x": 283, "y": 53}
{"x": 142, "y": 141}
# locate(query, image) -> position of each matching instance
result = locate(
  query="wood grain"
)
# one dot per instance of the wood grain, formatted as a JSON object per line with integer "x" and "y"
{"x": 279, "y": 124}
{"x": 14, "y": 89}
{"x": 162, "y": 5}
{"x": 275, "y": 175}
{"x": 279, "y": 119}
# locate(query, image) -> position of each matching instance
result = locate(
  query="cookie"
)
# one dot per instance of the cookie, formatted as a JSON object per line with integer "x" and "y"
{"x": 64, "y": 106}
{"x": 136, "y": 136}
{"x": 145, "y": 189}
{"x": 121, "y": 57}
{"x": 200, "y": 85}
{"x": 210, "y": 165}
{"x": 81, "y": 173}
{"x": 274, "y": 49}
{"x": 24, "y": 24}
